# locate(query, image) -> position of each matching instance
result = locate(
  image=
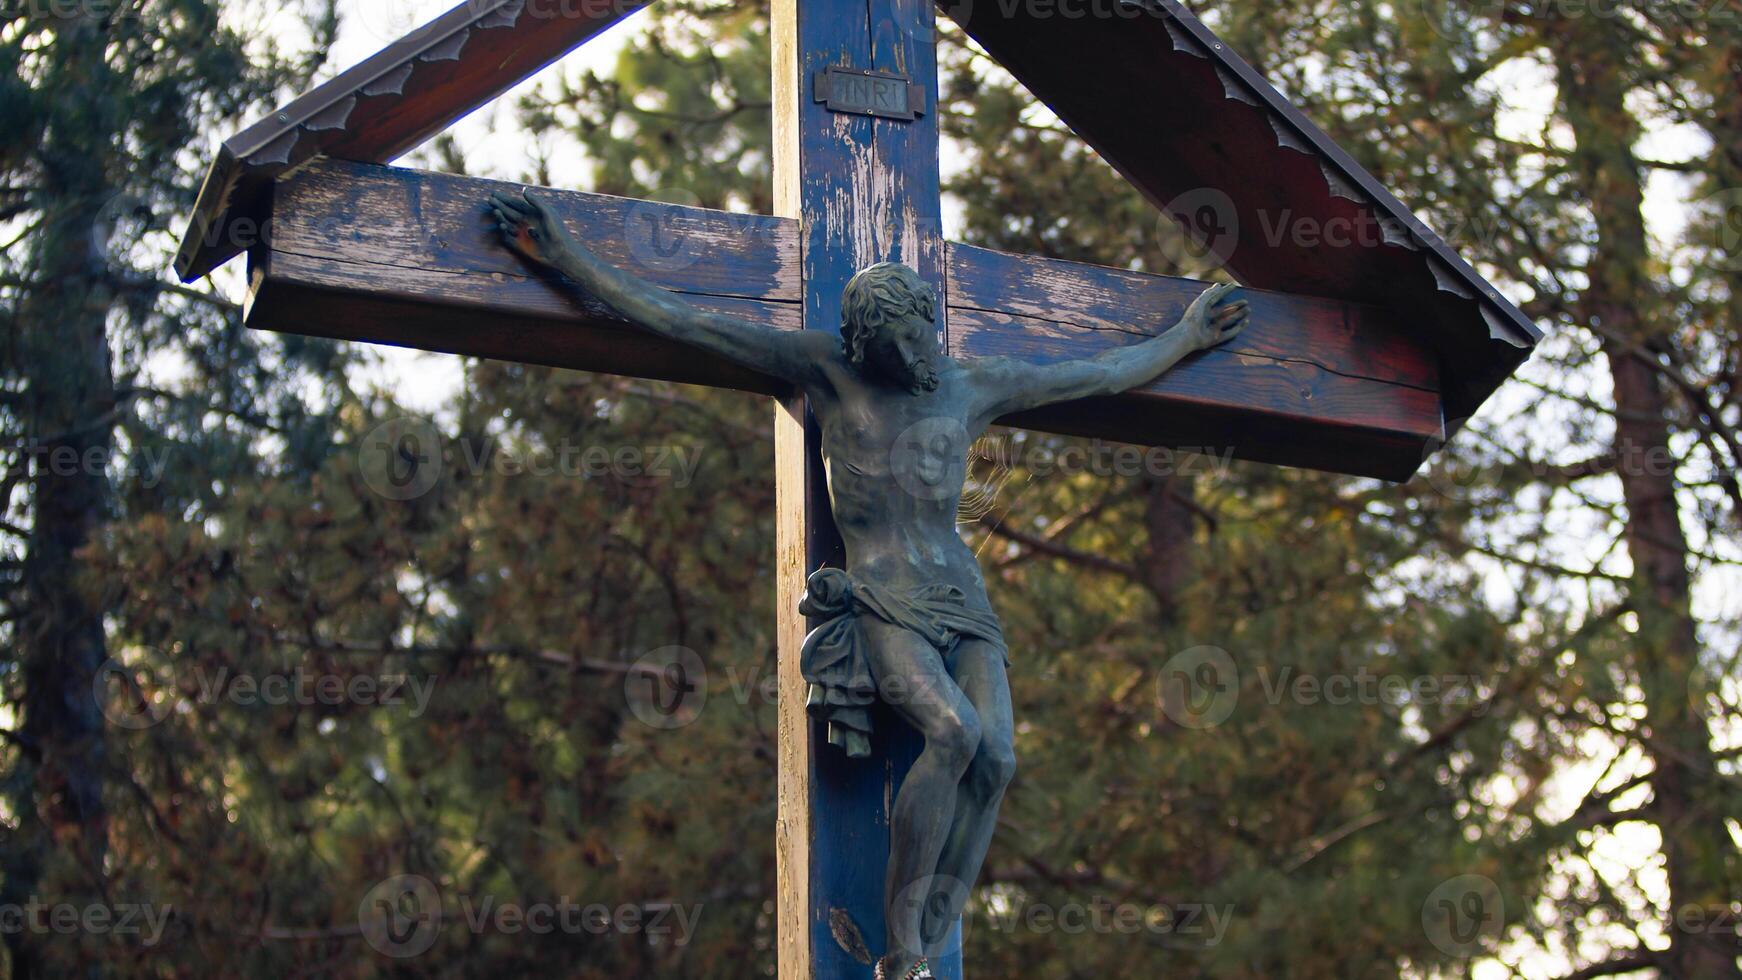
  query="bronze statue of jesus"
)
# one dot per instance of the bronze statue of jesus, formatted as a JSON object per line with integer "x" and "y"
{"x": 908, "y": 620}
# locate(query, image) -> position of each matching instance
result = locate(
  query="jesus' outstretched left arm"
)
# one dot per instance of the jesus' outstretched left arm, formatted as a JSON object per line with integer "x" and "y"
{"x": 1004, "y": 385}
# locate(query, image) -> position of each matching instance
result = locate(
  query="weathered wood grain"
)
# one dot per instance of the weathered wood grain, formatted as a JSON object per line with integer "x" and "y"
{"x": 1312, "y": 382}
{"x": 1351, "y": 339}
{"x": 415, "y": 219}
{"x": 405, "y": 257}
{"x": 864, "y": 191}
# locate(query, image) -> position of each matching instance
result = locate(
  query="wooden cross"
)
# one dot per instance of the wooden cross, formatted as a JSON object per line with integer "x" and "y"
{"x": 1360, "y": 359}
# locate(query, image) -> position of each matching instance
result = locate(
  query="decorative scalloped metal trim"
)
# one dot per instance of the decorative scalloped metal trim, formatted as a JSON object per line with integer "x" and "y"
{"x": 1286, "y": 136}
{"x": 1340, "y": 187}
{"x": 332, "y": 117}
{"x": 504, "y": 16}
{"x": 1395, "y": 233}
{"x": 278, "y": 151}
{"x": 1499, "y": 329}
{"x": 1183, "y": 41}
{"x": 448, "y": 49}
{"x": 1234, "y": 88}
{"x": 392, "y": 83}
{"x": 1448, "y": 282}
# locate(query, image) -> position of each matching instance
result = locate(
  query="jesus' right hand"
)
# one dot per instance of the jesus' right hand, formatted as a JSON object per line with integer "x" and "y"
{"x": 528, "y": 226}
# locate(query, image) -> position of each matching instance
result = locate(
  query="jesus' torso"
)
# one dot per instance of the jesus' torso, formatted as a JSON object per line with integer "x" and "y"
{"x": 896, "y": 462}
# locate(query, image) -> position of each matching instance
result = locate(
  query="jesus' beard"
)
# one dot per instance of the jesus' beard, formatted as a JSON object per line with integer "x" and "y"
{"x": 922, "y": 377}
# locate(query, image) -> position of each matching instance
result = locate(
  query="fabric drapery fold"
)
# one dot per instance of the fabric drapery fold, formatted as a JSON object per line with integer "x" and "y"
{"x": 836, "y": 662}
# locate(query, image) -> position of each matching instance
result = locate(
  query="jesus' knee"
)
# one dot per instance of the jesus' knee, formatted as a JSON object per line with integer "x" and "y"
{"x": 953, "y": 739}
{"x": 993, "y": 768}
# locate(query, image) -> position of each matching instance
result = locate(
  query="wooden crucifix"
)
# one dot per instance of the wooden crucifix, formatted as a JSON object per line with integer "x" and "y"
{"x": 1372, "y": 340}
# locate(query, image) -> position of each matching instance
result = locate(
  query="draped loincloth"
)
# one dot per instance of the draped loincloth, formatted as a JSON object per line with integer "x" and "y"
{"x": 836, "y": 660}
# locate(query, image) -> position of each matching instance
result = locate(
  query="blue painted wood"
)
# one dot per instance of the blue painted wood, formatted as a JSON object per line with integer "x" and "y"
{"x": 869, "y": 193}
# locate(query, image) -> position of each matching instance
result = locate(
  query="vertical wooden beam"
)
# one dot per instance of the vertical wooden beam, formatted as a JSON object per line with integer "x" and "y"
{"x": 864, "y": 190}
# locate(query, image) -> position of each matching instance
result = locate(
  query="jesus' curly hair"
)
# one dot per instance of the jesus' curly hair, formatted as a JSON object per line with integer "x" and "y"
{"x": 877, "y": 295}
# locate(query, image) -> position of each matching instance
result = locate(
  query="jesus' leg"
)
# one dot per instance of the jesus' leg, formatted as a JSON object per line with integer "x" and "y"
{"x": 911, "y": 675}
{"x": 980, "y": 673}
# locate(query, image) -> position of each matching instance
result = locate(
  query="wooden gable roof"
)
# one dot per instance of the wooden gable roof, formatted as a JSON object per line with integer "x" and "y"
{"x": 1153, "y": 91}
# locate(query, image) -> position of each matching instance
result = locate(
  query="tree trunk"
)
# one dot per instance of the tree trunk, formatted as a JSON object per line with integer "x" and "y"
{"x": 57, "y": 788}
{"x": 1591, "y": 61}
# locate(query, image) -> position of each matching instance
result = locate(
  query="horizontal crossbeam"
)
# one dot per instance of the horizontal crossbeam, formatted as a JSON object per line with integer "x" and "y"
{"x": 407, "y": 257}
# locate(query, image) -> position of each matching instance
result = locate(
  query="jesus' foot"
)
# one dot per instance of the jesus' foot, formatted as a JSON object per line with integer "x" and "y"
{"x": 916, "y": 970}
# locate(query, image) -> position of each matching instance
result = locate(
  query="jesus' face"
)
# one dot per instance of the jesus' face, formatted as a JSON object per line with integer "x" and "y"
{"x": 886, "y": 327}
{"x": 904, "y": 351}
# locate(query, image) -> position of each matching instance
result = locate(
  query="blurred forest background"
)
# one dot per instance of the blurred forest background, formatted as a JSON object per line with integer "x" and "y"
{"x": 1575, "y": 553}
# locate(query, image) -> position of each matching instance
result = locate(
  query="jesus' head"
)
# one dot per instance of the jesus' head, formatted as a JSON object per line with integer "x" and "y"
{"x": 888, "y": 328}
